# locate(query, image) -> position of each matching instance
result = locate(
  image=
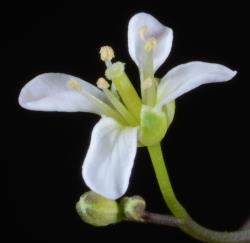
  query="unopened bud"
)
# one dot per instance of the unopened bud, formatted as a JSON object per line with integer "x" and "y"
{"x": 97, "y": 210}
{"x": 133, "y": 208}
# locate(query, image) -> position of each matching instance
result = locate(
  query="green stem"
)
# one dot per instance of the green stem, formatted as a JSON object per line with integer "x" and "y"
{"x": 164, "y": 182}
{"x": 189, "y": 226}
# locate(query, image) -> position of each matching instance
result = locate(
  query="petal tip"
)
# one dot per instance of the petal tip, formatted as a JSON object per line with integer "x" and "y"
{"x": 234, "y": 73}
{"x": 22, "y": 99}
{"x": 230, "y": 74}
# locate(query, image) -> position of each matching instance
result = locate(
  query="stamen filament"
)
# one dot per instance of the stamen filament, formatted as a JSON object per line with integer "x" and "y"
{"x": 114, "y": 91}
{"x": 148, "y": 94}
{"x": 104, "y": 108}
{"x": 107, "y": 63}
{"x": 120, "y": 108}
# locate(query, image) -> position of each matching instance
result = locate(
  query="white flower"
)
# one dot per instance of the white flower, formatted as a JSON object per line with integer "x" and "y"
{"x": 124, "y": 116}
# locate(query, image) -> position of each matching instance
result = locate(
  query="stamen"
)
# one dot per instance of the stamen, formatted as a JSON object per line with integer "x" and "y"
{"x": 104, "y": 108}
{"x": 106, "y": 53}
{"x": 142, "y": 30}
{"x": 147, "y": 83}
{"x": 74, "y": 84}
{"x": 150, "y": 44}
{"x": 121, "y": 108}
{"x": 102, "y": 83}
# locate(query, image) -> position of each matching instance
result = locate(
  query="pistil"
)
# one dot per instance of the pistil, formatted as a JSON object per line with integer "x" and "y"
{"x": 125, "y": 89}
{"x": 118, "y": 105}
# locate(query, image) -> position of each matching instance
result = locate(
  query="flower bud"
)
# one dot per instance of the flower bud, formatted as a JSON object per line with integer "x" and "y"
{"x": 97, "y": 210}
{"x": 133, "y": 208}
{"x": 153, "y": 126}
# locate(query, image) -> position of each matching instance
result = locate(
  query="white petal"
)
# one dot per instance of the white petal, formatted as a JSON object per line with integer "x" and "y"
{"x": 49, "y": 92}
{"x": 186, "y": 77}
{"x": 163, "y": 35}
{"x": 110, "y": 158}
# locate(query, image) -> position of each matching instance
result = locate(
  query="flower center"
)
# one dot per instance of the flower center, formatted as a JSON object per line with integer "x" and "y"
{"x": 115, "y": 101}
{"x": 122, "y": 95}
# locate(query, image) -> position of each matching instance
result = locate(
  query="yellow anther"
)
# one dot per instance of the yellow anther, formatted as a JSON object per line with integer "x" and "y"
{"x": 147, "y": 83}
{"x": 150, "y": 44}
{"x": 74, "y": 84}
{"x": 102, "y": 83}
{"x": 106, "y": 53}
{"x": 142, "y": 30}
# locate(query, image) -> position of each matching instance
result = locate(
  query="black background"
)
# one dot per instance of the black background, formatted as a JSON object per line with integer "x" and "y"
{"x": 206, "y": 149}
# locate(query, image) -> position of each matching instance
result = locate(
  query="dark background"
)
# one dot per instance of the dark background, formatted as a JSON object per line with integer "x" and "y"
{"x": 206, "y": 148}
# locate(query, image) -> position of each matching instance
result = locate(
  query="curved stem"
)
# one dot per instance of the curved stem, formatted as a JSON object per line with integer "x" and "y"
{"x": 155, "y": 218}
{"x": 189, "y": 226}
{"x": 164, "y": 182}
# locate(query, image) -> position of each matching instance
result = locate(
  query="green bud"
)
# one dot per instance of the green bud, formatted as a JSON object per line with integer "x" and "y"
{"x": 153, "y": 126}
{"x": 133, "y": 208}
{"x": 97, "y": 210}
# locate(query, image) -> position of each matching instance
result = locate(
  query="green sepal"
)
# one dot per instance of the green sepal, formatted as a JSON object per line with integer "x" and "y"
{"x": 153, "y": 126}
{"x": 169, "y": 110}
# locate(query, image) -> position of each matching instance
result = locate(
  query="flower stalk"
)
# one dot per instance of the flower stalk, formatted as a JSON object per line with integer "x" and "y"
{"x": 189, "y": 226}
